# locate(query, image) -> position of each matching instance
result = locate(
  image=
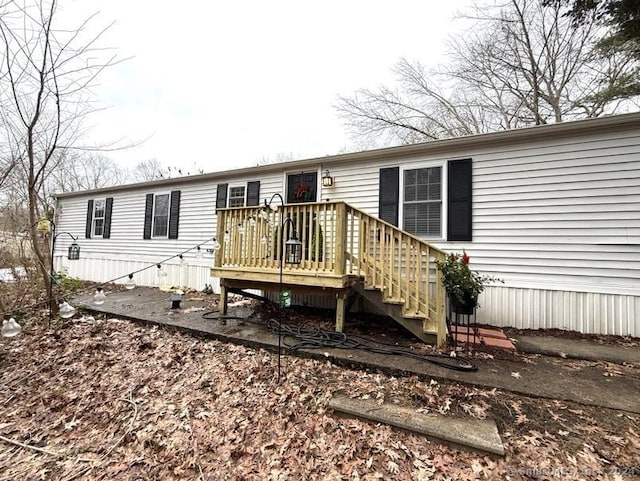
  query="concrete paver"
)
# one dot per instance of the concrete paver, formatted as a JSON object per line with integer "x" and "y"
{"x": 476, "y": 434}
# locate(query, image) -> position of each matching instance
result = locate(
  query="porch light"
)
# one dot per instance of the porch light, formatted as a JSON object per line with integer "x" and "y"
{"x": 99, "y": 297}
{"x": 74, "y": 252}
{"x": 240, "y": 229}
{"x": 293, "y": 250}
{"x": 327, "y": 180}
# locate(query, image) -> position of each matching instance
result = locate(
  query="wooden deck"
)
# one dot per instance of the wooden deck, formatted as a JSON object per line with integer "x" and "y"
{"x": 343, "y": 248}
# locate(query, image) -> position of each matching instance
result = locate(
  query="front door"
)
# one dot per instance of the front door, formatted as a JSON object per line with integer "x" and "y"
{"x": 302, "y": 187}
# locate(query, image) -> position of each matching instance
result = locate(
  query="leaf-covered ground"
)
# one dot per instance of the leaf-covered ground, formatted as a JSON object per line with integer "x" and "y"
{"x": 110, "y": 399}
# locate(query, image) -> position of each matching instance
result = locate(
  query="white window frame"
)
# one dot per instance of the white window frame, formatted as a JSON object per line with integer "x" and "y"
{"x": 244, "y": 196}
{"x": 153, "y": 215}
{"x": 94, "y": 217}
{"x": 443, "y": 195}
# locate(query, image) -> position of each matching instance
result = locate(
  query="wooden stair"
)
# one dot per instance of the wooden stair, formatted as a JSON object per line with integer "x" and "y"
{"x": 399, "y": 276}
{"x": 344, "y": 249}
{"x": 420, "y": 326}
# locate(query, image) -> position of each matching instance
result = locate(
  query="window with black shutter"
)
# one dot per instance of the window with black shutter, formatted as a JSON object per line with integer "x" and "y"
{"x": 162, "y": 215}
{"x": 99, "y": 212}
{"x": 422, "y": 201}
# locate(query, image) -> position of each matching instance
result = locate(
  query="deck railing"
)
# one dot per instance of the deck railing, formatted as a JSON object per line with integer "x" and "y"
{"x": 337, "y": 240}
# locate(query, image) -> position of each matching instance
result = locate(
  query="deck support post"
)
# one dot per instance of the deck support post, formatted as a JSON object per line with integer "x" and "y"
{"x": 340, "y": 312}
{"x": 223, "y": 299}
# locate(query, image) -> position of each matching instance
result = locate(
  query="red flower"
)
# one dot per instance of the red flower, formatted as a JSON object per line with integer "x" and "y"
{"x": 465, "y": 257}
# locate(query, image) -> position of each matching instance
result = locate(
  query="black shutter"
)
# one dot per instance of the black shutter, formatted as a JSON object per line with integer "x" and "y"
{"x": 253, "y": 193}
{"x": 174, "y": 214}
{"x": 388, "y": 194}
{"x": 108, "y": 207}
{"x": 148, "y": 217}
{"x": 87, "y": 229}
{"x": 459, "y": 200}
{"x": 221, "y": 196}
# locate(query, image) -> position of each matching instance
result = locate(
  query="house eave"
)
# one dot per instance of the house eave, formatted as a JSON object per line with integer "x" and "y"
{"x": 593, "y": 125}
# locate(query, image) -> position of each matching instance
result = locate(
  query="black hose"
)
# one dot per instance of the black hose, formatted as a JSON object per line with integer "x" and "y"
{"x": 316, "y": 338}
{"x": 319, "y": 338}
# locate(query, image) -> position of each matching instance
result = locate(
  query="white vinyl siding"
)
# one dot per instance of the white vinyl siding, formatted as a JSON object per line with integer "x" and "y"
{"x": 422, "y": 204}
{"x": 98, "y": 217}
{"x": 160, "y": 215}
{"x": 556, "y": 217}
{"x": 236, "y": 196}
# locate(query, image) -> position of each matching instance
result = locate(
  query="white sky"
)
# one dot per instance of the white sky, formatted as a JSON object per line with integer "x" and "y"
{"x": 224, "y": 84}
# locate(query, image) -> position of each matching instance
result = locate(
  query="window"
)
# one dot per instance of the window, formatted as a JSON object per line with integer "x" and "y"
{"x": 302, "y": 187}
{"x": 422, "y": 201}
{"x": 161, "y": 215}
{"x": 236, "y": 196}
{"x": 98, "y": 217}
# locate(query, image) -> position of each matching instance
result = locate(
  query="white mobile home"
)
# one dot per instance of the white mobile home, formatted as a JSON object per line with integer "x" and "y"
{"x": 553, "y": 210}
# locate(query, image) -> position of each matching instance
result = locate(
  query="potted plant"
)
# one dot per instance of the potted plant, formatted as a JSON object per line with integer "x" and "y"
{"x": 463, "y": 285}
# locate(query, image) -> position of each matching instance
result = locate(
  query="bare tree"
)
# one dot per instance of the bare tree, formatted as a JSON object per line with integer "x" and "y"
{"x": 80, "y": 170}
{"x": 521, "y": 64}
{"x": 152, "y": 169}
{"x": 45, "y": 77}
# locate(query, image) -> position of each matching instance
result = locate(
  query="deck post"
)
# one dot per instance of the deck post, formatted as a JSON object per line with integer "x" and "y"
{"x": 341, "y": 238}
{"x": 340, "y": 311}
{"x": 221, "y": 222}
{"x": 223, "y": 298}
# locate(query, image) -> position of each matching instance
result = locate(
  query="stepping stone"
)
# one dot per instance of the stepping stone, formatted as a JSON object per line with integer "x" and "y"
{"x": 483, "y": 331}
{"x": 476, "y": 434}
{"x": 499, "y": 343}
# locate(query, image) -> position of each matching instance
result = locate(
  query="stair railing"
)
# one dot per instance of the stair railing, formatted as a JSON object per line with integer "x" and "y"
{"x": 400, "y": 265}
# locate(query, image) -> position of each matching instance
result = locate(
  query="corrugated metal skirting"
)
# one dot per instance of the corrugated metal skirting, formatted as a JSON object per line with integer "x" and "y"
{"x": 193, "y": 276}
{"x": 586, "y": 312}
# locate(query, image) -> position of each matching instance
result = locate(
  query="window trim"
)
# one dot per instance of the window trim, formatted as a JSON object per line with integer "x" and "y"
{"x": 153, "y": 215}
{"x": 443, "y": 195}
{"x": 244, "y": 197}
{"x": 318, "y": 183}
{"x": 94, "y": 217}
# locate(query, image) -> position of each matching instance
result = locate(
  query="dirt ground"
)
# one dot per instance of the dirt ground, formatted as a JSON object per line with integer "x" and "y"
{"x": 106, "y": 398}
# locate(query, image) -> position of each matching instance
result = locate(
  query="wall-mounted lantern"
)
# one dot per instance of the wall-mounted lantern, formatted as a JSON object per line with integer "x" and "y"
{"x": 327, "y": 180}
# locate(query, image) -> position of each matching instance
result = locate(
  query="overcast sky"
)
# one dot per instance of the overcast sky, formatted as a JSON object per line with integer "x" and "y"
{"x": 225, "y": 84}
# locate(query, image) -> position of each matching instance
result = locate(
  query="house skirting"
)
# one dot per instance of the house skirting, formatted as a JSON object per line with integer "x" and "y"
{"x": 503, "y": 306}
{"x": 523, "y": 308}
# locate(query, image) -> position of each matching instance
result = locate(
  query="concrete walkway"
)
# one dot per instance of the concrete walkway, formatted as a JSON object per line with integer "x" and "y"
{"x": 547, "y": 377}
{"x": 577, "y": 349}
